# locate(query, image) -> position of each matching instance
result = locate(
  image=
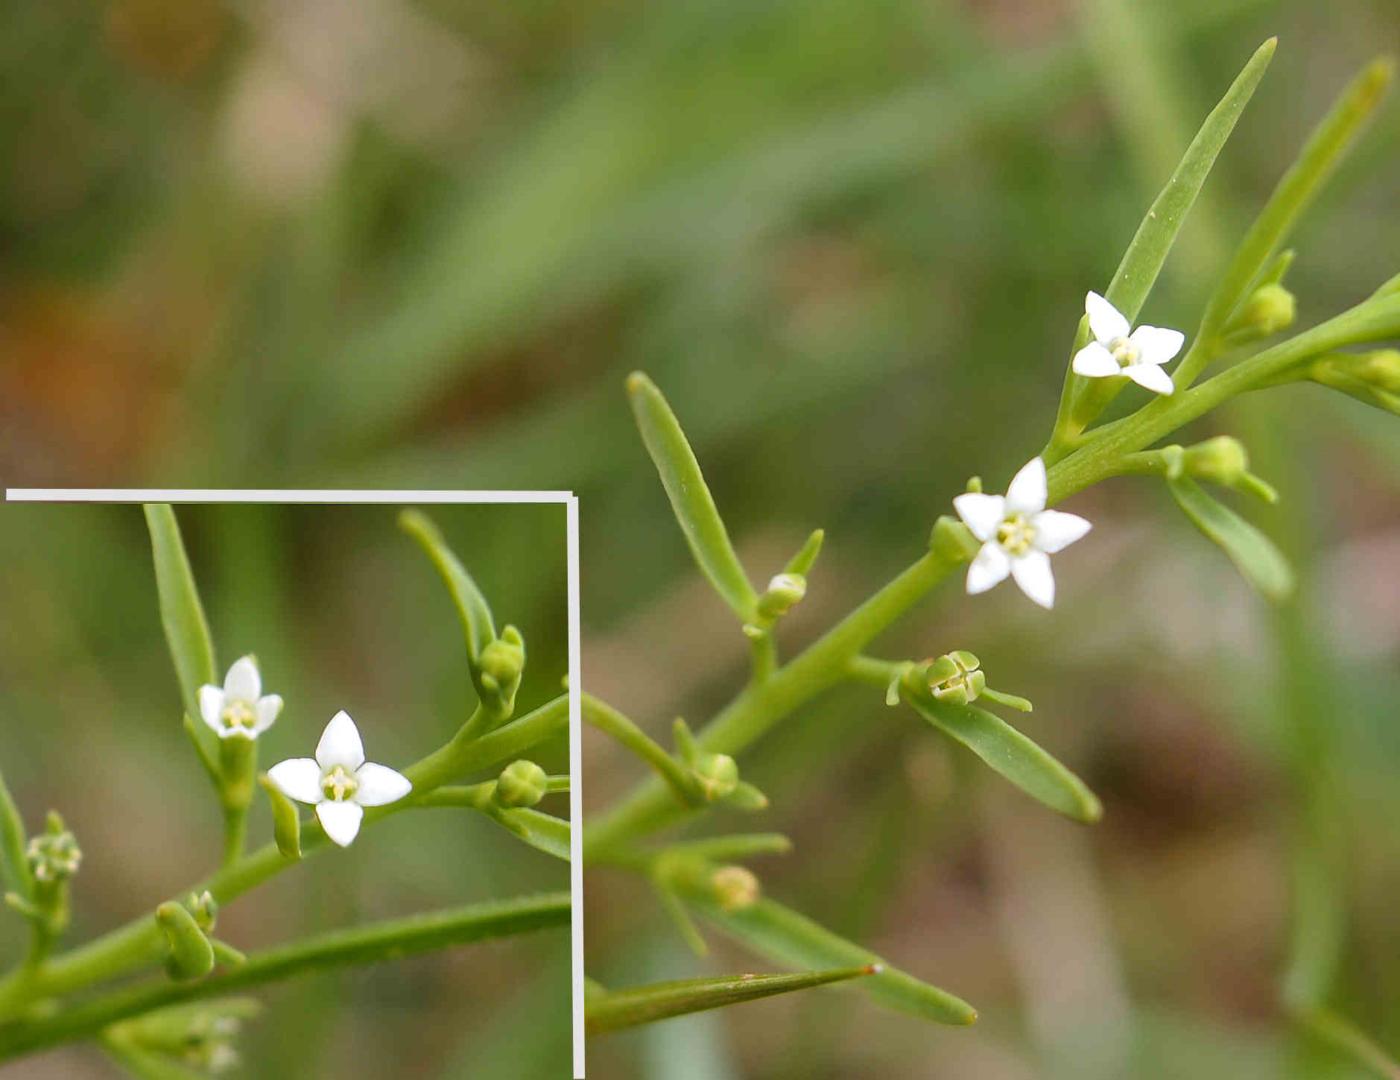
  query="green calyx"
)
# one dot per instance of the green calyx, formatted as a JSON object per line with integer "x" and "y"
{"x": 716, "y": 774}
{"x": 1270, "y": 310}
{"x": 501, "y": 666}
{"x": 54, "y": 854}
{"x": 735, "y": 888}
{"x": 956, "y": 677}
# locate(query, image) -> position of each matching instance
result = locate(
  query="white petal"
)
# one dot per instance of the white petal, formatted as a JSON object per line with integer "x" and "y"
{"x": 989, "y": 568}
{"x": 299, "y": 778}
{"x": 341, "y": 820}
{"x": 1156, "y": 344}
{"x": 1032, "y": 573}
{"x": 981, "y": 513}
{"x": 1055, "y": 530}
{"x": 1150, "y": 376}
{"x": 1095, "y": 361}
{"x": 340, "y": 743}
{"x": 380, "y": 784}
{"x": 1104, "y": 319}
{"x": 268, "y": 709}
{"x": 243, "y": 683}
{"x": 211, "y": 707}
{"x": 1027, "y": 492}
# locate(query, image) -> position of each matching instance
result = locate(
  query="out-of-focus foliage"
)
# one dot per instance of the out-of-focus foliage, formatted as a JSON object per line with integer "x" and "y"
{"x": 343, "y": 611}
{"x": 421, "y": 244}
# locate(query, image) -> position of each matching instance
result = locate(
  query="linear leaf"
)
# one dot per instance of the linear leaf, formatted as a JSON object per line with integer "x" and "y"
{"x": 690, "y": 497}
{"x": 181, "y": 614}
{"x": 475, "y": 613}
{"x": 14, "y": 866}
{"x": 616, "y": 1009}
{"x": 1261, "y": 563}
{"x": 541, "y": 831}
{"x": 1013, "y": 755}
{"x": 1328, "y": 144}
{"x": 784, "y": 935}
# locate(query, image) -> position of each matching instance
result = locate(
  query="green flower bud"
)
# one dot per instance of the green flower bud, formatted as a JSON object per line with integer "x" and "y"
{"x": 205, "y": 910}
{"x": 735, "y": 888}
{"x": 717, "y": 774}
{"x": 191, "y": 956}
{"x": 1381, "y": 369}
{"x": 503, "y": 660}
{"x": 956, "y": 677}
{"x": 54, "y": 854}
{"x": 785, "y": 590}
{"x": 522, "y": 783}
{"x": 1269, "y": 309}
{"x": 286, "y": 821}
{"x": 1222, "y": 460}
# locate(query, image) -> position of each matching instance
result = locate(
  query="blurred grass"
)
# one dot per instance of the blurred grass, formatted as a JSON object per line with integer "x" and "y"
{"x": 421, "y": 244}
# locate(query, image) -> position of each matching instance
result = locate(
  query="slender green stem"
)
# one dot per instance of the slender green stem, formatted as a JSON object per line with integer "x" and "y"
{"x": 626, "y": 731}
{"x": 235, "y": 833}
{"x": 762, "y": 705}
{"x": 360, "y": 945}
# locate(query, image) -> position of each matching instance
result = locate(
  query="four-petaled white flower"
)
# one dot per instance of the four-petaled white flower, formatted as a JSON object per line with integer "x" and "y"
{"x": 1117, "y": 349}
{"x": 1018, "y": 535}
{"x": 339, "y": 782}
{"x": 239, "y": 710}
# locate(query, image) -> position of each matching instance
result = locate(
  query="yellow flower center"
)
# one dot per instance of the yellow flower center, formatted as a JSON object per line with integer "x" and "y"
{"x": 339, "y": 784}
{"x": 239, "y": 716}
{"x": 1124, "y": 351}
{"x": 1016, "y": 534}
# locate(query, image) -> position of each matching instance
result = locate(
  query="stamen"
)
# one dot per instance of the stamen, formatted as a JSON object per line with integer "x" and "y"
{"x": 339, "y": 784}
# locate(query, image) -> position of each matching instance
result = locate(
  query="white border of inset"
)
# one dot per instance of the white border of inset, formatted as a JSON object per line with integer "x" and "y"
{"x": 332, "y": 496}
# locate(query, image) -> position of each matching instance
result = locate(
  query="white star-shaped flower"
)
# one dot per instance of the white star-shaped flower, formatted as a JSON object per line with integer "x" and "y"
{"x": 1117, "y": 349}
{"x": 1018, "y": 535}
{"x": 239, "y": 710}
{"x": 339, "y": 782}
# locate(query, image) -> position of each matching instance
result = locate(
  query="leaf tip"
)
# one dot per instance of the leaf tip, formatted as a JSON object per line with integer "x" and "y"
{"x": 638, "y": 383}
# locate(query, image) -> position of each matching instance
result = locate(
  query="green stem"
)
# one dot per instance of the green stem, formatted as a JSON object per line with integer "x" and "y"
{"x": 360, "y": 945}
{"x": 762, "y": 705}
{"x": 235, "y": 833}
{"x": 625, "y": 730}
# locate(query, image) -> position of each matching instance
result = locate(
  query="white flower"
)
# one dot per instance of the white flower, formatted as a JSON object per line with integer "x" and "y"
{"x": 1018, "y": 535}
{"x": 339, "y": 782}
{"x": 239, "y": 710}
{"x": 1138, "y": 354}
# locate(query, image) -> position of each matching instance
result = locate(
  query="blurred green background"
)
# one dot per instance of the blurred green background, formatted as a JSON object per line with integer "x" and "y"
{"x": 343, "y": 611}
{"x": 394, "y": 243}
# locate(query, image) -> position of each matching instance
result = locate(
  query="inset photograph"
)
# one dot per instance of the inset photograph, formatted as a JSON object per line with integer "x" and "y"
{"x": 285, "y": 791}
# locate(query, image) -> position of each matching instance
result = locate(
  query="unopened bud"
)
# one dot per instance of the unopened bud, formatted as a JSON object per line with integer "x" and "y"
{"x": 503, "y": 660}
{"x": 1381, "y": 368}
{"x": 191, "y": 956}
{"x": 205, "y": 910}
{"x": 717, "y": 774}
{"x": 522, "y": 783}
{"x": 783, "y": 592}
{"x": 735, "y": 888}
{"x": 1269, "y": 309}
{"x": 1222, "y": 460}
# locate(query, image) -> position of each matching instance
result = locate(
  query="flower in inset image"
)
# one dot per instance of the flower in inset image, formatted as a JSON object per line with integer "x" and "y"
{"x": 1117, "y": 349}
{"x": 1018, "y": 535}
{"x": 339, "y": 782}
{"x": 239, "y": 710}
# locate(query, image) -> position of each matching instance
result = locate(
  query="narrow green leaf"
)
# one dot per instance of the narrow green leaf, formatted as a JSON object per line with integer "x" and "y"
{"x": 1143, "y": 260}
{"x": 680, "y": 917}
{"x": 802, "y": 562}
{"x": 690, "y": 498}
{"x": 1327, "y": 146}
{"x": 181, "y": 614}
{"x": 1013, "y": 755}
{"x": 617, "y": 1009}
{"x": 1350, "y": 1041}
{"x": 13, "y": 863}
{"x": 733, "y": 848}
{"x": 1084, "y": 399}
{"x": 626, "y": 731}
{"x": 1261, "y": 563}
{"x": 541, "y": 831}
{"x": 785, "y": 936}
{"x": 475, "y": 613}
